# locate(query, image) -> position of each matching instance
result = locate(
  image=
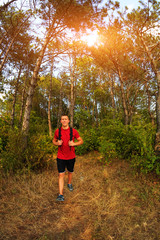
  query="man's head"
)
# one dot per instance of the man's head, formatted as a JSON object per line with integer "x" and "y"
{"x": 65, "y": 121}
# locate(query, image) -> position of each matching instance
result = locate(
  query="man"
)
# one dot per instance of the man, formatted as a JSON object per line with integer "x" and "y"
{"x": 66, "y": 153}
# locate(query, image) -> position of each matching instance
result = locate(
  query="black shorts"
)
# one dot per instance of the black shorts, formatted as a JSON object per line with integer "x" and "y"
{"x": 62, "y": 164}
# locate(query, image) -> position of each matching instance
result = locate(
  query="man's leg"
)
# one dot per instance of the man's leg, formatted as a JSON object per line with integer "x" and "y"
{"x": 69, "y": 177}
{"x": 70, "y": 168}
{"x": 61, "y": 182}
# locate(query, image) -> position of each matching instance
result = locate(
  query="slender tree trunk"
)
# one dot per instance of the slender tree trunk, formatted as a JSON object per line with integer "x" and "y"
{"x": 96, "y": 113}
{"x": 112, "y": 95}
{"x": 123, "y": 98}
{"x": 23, "y": 99}
{"x": 2, "y": 51}
{"x": 93, "y": 111}
{"x": 158, "y": 102}
{"x": 157, "y": 140}
{"x": 149, "y": 105}
{"x": 49, "y": 102}
{"x": 60, "y": 104}
{"x": 1, "y": 40}
{"x": 72, "y": 96}
{"x": 15, "y": 97}
{"x": 25, "y": 125}
{"x": 72, "y": 102}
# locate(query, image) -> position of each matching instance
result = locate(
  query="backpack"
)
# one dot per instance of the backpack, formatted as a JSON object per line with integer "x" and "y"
{"x": 71, "y": 134}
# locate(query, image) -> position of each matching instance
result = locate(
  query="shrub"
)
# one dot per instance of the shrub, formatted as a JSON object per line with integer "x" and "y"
{"x": 13, "y": 155}
{"x": 130, "y": 142}
{"x": 107, "y": 150}
{"x": 40, "y": 147}
{"x": 91, "y": 141}
{"x": 16, "y": 157}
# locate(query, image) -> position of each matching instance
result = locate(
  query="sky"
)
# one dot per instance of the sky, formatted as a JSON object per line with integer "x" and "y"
{"x": 130, "y": 3}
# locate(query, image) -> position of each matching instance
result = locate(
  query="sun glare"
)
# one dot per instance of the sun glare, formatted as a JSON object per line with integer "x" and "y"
{"x": 91, "y": 38}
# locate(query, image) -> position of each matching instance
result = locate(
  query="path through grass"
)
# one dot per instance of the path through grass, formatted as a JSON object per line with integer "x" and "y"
{"x": 108, "y": 202}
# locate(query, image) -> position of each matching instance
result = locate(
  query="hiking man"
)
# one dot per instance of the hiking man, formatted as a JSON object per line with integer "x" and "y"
{"x": 64, "y": 138}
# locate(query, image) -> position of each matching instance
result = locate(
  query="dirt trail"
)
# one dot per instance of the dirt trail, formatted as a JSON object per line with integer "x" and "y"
{"x": 108, "y": 202}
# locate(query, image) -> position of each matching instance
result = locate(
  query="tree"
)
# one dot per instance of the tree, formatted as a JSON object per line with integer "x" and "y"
{"x": 5, "y": 5}
{"x": 64, "y": 14}
{"x": 141, "y": 25}
{"x": 116, "y": 56}
{"x": 15, "y": 95}
{"x": 18, "y": 25}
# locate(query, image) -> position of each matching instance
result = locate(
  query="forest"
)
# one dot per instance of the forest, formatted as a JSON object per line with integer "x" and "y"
{"x": 110, "y": 89}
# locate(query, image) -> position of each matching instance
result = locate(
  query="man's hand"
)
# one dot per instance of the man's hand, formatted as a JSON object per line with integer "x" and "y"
{"x": 59, "y": 142}
{"x": 71, "y": 143}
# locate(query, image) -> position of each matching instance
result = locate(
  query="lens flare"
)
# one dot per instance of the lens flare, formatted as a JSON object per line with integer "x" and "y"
{"x": 91, "y": 38}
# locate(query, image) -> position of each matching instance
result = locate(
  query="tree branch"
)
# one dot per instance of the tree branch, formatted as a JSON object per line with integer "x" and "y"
{"x": 6, "y": 5}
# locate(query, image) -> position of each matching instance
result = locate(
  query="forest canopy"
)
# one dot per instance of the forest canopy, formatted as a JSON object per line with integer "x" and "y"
{"x": 88, "y": 59}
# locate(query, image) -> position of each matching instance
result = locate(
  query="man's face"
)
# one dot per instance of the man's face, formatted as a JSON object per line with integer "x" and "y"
{"x": 65, "y": 121}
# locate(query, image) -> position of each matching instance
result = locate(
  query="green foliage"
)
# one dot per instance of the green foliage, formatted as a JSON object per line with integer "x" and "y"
{"x": 37, "y": 124}
{"x": 113, "y": 139}
{"x": 134, "y": 143}
{"x": 1, "y": 145}
{"x": 38, "y": 152}
{"x": 108, "y": 150}
{"x": 4, "y": 128}
{"x": 82, "y": 119}
{"x": 91, "y": 141}
{"x": 15, "y": 157}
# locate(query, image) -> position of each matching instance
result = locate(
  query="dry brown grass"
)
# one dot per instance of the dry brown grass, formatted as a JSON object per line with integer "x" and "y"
{"x": 108, "y": 202}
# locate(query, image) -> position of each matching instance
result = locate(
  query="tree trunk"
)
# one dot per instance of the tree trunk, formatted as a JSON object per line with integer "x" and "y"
{"x": 23, "y": 100}
{"x": 72, "y": 96}
{"x": 96, "y": 113}
{"x": 112, "y": 95}
{"x": 49, "y": 102}
{"x": 149, "y": 105}
{"x": 25, "y": 125}
{"x": 72, "y": 102}
{"x": 60, "y": 104}
{"x": 126, "y": 118}
{"x": 93, "y": 111}
{"x": 15, "y": 97}
{"x": 157, "y": 140}
{"x": 158, "y": 102}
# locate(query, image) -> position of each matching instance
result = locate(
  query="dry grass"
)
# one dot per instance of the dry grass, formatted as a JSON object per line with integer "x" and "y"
{"x": 108, "y": 202}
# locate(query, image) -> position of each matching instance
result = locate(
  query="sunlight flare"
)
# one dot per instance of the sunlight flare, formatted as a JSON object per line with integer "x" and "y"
{"x": 91, "y": 38}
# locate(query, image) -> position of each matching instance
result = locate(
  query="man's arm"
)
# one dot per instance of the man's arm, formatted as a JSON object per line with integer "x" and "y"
{"x": 73, "y": 144}
{"x": 57, "y": 142}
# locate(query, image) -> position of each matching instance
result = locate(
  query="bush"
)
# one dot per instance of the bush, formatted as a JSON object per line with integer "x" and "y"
{"x": 91, "y": 141}
{"x": 107, "y": 150}
{"x": 112, "y": 139}
{"x": 135, "y": 143}
{"x": 39, "y": 149}
{"x": 15, "y": 157}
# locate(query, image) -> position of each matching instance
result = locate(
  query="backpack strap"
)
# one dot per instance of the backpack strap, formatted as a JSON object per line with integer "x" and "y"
{"x": 59, "y": 135}
{"x": 71, "y": 133}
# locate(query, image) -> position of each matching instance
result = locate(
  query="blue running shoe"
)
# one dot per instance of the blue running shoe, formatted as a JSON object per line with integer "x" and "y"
{"x": 60, "y": 198}
{"x": 70, "y": 187}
